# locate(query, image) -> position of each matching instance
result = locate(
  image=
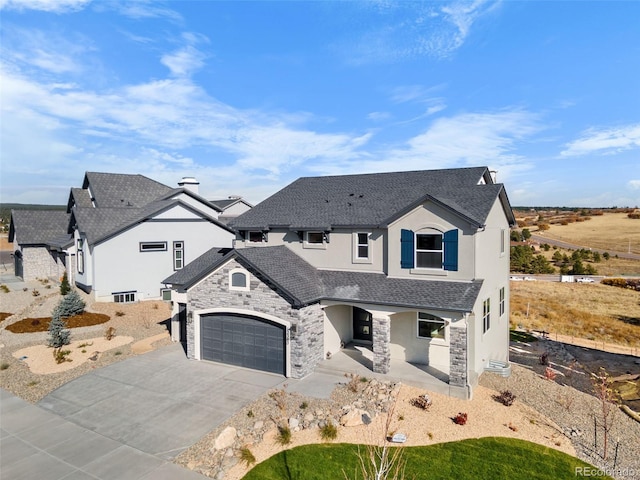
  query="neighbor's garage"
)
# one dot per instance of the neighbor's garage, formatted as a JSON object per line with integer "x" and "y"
{"x": 244, "y": 341}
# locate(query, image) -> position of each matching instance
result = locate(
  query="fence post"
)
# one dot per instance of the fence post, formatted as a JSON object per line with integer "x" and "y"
{"x": 615, "y": 458}
{"x": 595, "y": 434}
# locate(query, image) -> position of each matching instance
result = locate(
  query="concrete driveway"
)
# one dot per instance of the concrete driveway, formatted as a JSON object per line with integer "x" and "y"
{"x": 159, "y": 403}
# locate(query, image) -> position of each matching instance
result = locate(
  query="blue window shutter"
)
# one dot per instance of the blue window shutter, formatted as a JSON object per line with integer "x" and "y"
{"x": 406, "y": 248}
{"x": 450, "y": 241}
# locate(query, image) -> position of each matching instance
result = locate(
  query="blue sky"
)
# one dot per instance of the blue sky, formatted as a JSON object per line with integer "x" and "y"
{"x": 248, "y": 96}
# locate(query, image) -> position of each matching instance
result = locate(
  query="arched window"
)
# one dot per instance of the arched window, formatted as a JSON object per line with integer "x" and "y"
{"x": 238, "y": 279}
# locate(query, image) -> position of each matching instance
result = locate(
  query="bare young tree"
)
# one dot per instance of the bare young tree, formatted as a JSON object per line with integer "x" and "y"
{"x": 608, "y": 403}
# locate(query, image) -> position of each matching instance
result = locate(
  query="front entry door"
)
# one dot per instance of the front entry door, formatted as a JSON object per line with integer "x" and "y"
{"x": 362, "y": 325}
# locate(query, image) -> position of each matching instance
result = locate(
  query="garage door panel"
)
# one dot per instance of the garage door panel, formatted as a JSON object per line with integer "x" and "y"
{"x": 243, "y": 341}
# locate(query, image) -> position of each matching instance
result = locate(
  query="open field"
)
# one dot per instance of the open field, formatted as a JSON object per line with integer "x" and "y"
{"x": 610, "y": 232}
{"x": 591, "y": 311}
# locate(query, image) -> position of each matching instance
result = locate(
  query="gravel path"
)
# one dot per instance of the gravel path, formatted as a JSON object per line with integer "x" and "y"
{"x": 570, "y": 403}
{"x": 139, "y": 321}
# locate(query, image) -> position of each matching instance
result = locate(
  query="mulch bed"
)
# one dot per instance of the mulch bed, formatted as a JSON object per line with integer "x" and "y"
{"x": 30, "y": 325}
{"x": 4, "y": 315}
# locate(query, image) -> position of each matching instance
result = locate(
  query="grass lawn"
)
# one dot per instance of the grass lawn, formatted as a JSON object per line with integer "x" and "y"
{"x": 474, "y": 459}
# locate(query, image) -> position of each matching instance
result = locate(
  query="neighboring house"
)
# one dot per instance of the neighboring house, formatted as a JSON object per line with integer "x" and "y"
{"x": 129, "y": 232}
{"x": 231, "y": 207}
{"x": 413, "y": 264}
{"x": 42, "y": 246}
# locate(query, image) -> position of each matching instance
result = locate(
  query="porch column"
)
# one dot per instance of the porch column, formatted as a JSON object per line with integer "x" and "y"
{"x": 381, "y": 341}
{"x": 458, "y": 355}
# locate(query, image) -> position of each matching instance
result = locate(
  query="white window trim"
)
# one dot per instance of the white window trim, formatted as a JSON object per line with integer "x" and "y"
{"x": 434, "y": 340}
{"x": 486, "y": 316}
{"x": 80, "y": 256}
{"x": 356, "y": 248}
{"x": 124, "y": 295}
{"x": 503, "y": 302}
{"x": 175, "y": 250}
{"x": 247, "y": 286}
{"x": 415, "y": 251}
{"x": 319, "y": 246}
{"x": 503, "y": 242}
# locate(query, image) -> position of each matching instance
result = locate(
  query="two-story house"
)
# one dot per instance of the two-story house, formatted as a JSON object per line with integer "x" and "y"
{"x": 413, "y": 264}
{"x": 121, "y": 235}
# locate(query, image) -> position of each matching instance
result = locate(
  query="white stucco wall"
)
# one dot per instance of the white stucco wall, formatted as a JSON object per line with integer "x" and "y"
{"x": 430, "y": 216}
{"x": 120, "y": 266}
{"x": 338, "y": 327}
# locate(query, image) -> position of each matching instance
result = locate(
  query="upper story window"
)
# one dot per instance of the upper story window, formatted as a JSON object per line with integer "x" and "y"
{"x": 503, "y": 241}
{"x": 256, "y": 236}
{"x": 502, "y": 302}
{"x": 239, "y": 279}
{"x": 315, "y": 238}
{"x": 362, "y": 246}
{"x": 153, "y": 246}
{"x": 430, "y": 326}
{"x": 429, "y": 249}
{"x": 178, "y": 255}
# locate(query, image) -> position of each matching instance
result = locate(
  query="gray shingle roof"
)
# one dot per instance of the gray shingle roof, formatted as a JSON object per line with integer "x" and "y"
{"x": 304, "y": 284}
{"x": 38, "y": 227}
{"x": 113, "y": 190}
{"x": 372, "y": 199}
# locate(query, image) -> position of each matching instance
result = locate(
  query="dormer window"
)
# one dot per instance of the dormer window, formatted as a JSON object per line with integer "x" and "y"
{"x": 429, "y": 249}
{"x": 315, "y": 238}
{"x": 256, "y": 236}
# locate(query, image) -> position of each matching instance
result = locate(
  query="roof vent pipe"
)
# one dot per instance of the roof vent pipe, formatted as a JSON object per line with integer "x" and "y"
{"x": 189, "y": 183}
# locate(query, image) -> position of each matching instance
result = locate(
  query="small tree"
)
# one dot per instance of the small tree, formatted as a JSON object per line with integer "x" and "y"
{"x": 59, "y": 334}
{"x": 607, "y": 401}
{"x": 526, "y": 234}
{"x": 64, "y": 285}
{"x": 70, "y": 305}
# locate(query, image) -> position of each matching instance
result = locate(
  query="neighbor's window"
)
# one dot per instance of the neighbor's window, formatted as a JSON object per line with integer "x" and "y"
{"x": 124, "y": 297}
{"x": 153, "y": 246}
{"x": 486, "y": 315}
{"x": 80, "y": 256}
{"x": 238, "y": 279}
{"x": 430, "y": 326}
{"x": 178, "y": 255}
{"x": 166, "y": 294}
{"x": 362, "y": 247}
{"x": 315, "y": 238}
{"x": 502, "y": 303}
{"x": 429, "y": 250}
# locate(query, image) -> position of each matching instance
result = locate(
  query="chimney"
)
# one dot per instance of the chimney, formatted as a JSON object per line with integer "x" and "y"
{"x": 189, "y": 183}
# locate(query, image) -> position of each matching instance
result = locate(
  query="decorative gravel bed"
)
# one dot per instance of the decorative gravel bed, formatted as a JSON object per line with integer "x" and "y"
{"x": 139, "y": 320}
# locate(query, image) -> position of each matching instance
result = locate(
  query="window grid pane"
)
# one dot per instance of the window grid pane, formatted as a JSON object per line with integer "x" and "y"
{"x": 315, "y": 237}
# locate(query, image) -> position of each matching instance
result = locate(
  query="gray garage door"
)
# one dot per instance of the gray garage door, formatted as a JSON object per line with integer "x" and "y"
{"x": 244, "y": 341}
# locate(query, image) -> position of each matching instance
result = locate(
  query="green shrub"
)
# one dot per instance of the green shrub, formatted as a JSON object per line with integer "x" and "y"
{"x": 284, "y": 435}
{"x": 4, "y": 366}
{"x": 61, "y": 355}
{"x": 64, "y": 285}
{"x": 615, "y": 282}
{"x": 4, "y": 288}
{"x": 246, "y": 456}
{"x": 328, "y": 431}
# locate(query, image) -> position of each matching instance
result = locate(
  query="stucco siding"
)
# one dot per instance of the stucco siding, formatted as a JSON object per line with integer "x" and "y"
{"x": 427, "y": 218}
{"x": 338, "y": 327}
{"x": 120, "y": 266}
{"x": 337, "y": 254}
{"x": 407, "y": 346}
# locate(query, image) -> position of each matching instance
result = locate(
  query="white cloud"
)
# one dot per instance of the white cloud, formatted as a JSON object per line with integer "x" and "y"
{"x": 607, "y": 140}
{"x": 379, "y": 116}
{"x": 139, "y": 9}
{"x": 634, "y": 184}
{"x": 415, "y": 29}
{"x": 55, "y": 6}
{"x": 184, "y": 62}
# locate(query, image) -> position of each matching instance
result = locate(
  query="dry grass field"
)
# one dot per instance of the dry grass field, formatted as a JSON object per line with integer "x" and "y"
{"x": 611, "y": 232}
{"x": 592, "y": 311}
{"x": 612, "y": 267}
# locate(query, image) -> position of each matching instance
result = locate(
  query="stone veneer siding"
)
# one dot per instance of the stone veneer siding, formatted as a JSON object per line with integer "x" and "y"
{"x": 381, "y": 347}
{"x": 306, "y": 343}
{"x": 39, "y": 262}
{"x": 458, "y": 357}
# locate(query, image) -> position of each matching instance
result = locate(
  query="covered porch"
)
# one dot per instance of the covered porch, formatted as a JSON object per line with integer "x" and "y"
{"x": 358, "y": 359}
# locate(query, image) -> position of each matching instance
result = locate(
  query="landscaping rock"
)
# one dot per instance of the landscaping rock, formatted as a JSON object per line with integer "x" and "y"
{"x": 225, "y": 439}
{"x": 354, "y": 418}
